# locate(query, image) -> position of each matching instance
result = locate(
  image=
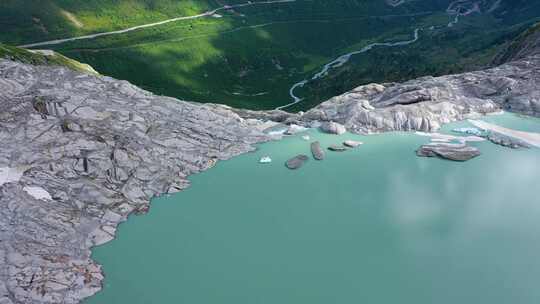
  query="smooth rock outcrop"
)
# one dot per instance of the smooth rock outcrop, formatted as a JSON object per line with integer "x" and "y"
{"x": 296, "y": 162}
{"x": 317, "y": 151}
{"x": 454, "y": 152}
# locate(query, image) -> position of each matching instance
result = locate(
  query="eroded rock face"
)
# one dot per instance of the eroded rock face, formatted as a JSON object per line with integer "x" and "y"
{"x": 427, "y": 103}
{"x": 101, "y": 148}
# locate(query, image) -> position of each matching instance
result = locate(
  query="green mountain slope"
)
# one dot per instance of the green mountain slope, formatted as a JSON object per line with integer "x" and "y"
{"x": 43, "y": 58}
{"x": 251, "y": 56}
{"x": 26, "y": 21}
{"x": 526, "y": 44}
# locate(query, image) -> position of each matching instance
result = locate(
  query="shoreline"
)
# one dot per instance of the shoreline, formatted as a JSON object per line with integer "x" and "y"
{"x": 292, "y": 153}
{"x": 528, "y": 137}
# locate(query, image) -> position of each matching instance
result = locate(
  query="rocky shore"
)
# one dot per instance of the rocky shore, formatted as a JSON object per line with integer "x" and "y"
{"x": 427, "y": 103}
{"x": 91, "y": 150}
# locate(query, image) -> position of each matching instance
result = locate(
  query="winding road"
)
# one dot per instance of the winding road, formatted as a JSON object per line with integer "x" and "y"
{"x": 205, "y": 14}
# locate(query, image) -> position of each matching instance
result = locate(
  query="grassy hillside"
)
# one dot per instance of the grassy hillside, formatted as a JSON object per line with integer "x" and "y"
{"x": 24, "y": 21}
{"x": 251, "y": 56}
{"x": 43, "y": 58}
{"x": 526, "y": 43}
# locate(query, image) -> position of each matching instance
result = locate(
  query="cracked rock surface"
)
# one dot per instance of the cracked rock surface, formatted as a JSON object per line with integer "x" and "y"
{"x": 101, "y": 148}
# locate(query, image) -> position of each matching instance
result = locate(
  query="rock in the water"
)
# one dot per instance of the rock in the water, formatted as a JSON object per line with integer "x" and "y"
{"x": 507, "y": 141}
{"x": 317, "y": 151}
{"x": 333, "y": 128}
{"x": 455, "y": 152}
{"x": 296, "y": 162}
{"x": 352, "y": 143}
{"x": 337, "y": 148}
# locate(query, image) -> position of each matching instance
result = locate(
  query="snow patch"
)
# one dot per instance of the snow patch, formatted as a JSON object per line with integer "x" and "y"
{"x": 38, "y": 193}
{"x": 9, "y": 175}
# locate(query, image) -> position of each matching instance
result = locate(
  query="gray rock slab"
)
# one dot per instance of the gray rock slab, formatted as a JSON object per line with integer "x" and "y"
{"x": 317, "y": 151}
{"x": 454, "y": 152}
{"x": 296, "y": 162}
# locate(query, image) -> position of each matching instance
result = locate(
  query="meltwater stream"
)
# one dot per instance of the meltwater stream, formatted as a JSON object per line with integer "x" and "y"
{"x": 372, "y": 225}
{"x": 341, "y": 60}
{"x": 456, "y": 9}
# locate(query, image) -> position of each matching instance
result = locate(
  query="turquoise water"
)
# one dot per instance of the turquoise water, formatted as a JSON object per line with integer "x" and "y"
{"x": 372, "y": 225}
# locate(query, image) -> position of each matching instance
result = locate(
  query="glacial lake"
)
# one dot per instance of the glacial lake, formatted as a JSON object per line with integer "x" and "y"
{"x": 375, "y": 225}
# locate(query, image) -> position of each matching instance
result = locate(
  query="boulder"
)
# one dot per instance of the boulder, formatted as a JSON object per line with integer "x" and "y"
{"x": 317, "y": 151}
{"x": 296, "y": 162}
{"x": 454, "y": 152}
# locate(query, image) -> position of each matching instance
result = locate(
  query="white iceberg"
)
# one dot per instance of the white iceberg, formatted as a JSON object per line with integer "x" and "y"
{"x": 265, "y": 160}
